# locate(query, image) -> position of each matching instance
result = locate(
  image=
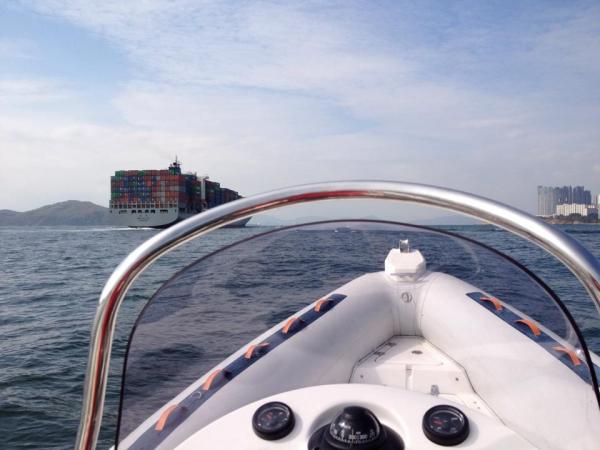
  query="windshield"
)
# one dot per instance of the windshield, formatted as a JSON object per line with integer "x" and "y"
{"x": 477, "y": 307}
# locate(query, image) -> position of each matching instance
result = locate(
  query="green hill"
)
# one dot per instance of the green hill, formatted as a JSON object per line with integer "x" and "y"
{"x": 71, "y": 212}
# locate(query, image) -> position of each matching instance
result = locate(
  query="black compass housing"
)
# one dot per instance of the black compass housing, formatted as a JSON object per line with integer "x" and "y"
{"x": 355, "y": 428}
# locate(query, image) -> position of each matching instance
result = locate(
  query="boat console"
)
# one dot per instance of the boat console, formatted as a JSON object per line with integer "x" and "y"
{"x": 350, "y": 334}
{"x": 358, "y": 416}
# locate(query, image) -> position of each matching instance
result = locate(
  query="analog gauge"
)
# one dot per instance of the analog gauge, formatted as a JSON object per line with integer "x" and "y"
{"x": 273, "y": 420}
{"x": 445, "y": 425}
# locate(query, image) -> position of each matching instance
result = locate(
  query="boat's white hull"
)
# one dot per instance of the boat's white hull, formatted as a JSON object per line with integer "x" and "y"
{"x": 155, "y": 218}
{"x": 499, "y": 383}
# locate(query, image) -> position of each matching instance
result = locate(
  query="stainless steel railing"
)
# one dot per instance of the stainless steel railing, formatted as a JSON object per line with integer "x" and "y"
{"x": 572, "y": 254}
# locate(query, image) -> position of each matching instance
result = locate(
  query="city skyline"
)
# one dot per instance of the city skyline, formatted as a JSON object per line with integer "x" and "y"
{"x": 551, "y": 198}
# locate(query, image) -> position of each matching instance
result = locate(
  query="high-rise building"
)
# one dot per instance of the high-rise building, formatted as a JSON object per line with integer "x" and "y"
{"x": 578, "y": 194}
{"x": 587, "y": 198}
{"x": 546, "y": 201}
{"x": 557, "y": 195}
{"x": 564, "y": 195}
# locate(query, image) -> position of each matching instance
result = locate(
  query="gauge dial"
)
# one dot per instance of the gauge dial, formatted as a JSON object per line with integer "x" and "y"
{"x": 273, "y": 420}
{"x": 445, "y": 425}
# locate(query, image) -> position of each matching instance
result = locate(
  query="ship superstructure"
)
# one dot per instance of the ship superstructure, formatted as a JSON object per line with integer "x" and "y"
{"x": 160, "y": 198}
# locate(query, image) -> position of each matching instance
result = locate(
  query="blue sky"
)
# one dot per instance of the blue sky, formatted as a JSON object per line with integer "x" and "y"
{"x": 488, "y": 97}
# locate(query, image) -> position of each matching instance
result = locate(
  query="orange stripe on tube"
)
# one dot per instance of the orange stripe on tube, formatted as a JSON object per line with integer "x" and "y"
{"x": 494, "y": 301}
{"x": 160, "y": 425}
{"x": 532, "y": 326}
{"x": 574, "y": 359}
{"x": 250, "y": 352}
{"x": 288, "y": 325}
{"x": 210, "y": 379}
{"x": 320, "y": 304}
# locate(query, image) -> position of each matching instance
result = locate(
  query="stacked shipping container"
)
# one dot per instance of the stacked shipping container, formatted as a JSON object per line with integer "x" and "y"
{"x": 162, "y": 189}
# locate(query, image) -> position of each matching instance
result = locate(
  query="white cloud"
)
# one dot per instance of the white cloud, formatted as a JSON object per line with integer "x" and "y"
{"x": 14, "y": 92}
{"x": 573, "y": 44}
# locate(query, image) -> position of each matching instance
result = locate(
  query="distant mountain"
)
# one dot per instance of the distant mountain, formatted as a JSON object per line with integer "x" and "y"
{"x": 71, "y": 212}
{"x": 7, "y": 214}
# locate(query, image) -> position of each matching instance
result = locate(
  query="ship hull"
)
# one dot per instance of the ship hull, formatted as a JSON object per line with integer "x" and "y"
{"x": 155, "y": 218}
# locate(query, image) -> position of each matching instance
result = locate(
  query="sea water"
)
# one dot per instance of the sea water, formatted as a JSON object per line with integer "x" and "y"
{"x": 50, "y": 281}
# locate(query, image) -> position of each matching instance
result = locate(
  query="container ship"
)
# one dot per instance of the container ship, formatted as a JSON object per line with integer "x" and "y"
{"x": 160, "y": 198}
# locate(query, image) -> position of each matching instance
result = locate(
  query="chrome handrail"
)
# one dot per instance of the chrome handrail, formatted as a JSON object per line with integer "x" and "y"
{"x": 566, "y": 249}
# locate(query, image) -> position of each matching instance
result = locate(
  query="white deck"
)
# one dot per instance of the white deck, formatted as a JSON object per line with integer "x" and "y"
{"x": 413, "y": 364}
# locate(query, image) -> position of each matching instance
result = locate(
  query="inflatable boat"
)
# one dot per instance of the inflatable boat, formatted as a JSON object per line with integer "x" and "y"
{"x": 351, "y": 334}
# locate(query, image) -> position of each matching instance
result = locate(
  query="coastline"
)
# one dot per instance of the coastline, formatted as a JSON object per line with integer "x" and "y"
{"x": 568, "y": 221}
